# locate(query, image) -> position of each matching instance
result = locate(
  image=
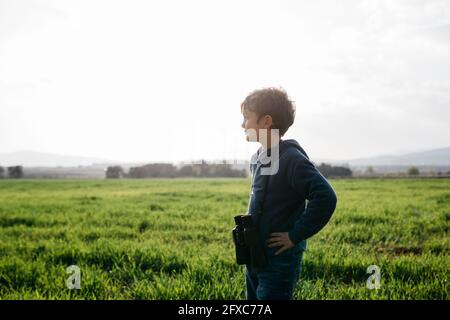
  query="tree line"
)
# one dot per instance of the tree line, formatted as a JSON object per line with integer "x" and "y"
{"x": 203, "y": 169}
{"x": 167, "y": 170}
{"x": 13, "y": 172}
{"x": 330, "y": 171}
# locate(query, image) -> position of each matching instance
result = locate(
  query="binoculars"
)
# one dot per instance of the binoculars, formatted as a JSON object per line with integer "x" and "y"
{"x": 249, "y": 249}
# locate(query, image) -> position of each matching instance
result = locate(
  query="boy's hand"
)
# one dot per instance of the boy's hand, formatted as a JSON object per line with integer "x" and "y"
{"x": 280, "y": 239}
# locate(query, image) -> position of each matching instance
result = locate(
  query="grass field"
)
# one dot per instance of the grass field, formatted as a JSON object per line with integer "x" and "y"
{"x": 170, "y": 239}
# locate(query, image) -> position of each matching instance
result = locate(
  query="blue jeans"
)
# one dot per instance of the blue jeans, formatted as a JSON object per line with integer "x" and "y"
{"x": 277, "y": 280}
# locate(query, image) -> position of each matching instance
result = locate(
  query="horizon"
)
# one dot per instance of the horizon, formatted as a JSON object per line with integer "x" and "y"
{"x": 94, "y": 161}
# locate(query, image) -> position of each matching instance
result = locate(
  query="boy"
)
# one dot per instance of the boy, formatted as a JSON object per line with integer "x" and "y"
{"x": 285, "y": 221}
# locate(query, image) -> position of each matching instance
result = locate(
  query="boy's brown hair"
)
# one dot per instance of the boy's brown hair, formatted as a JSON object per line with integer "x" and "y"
{"x": 273, "y": 102}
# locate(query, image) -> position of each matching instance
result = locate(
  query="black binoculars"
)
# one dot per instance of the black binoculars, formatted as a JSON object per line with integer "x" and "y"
{"x": 249, "y": 249}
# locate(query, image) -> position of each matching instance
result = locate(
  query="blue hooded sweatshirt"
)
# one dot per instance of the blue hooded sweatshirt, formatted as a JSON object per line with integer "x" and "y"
{"x": 296, "y": 181}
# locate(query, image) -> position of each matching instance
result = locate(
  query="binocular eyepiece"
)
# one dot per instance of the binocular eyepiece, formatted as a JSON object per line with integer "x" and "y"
{"x": 249, "y": 249}
{"x": 244, "y": 221}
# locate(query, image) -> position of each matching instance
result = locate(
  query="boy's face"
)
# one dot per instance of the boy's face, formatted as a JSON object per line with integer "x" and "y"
{"x": 252, "y": 124}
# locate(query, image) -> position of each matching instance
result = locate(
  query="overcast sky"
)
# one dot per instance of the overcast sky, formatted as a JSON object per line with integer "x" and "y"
{"x": 163, "y": 80}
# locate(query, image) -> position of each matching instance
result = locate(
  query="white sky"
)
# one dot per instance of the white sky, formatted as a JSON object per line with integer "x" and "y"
{"x": 163, "y": 80}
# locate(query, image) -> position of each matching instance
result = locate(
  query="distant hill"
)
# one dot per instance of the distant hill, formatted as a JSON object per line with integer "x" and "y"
{"x": 41, "y": 159}
{"x": 435, "y": 157}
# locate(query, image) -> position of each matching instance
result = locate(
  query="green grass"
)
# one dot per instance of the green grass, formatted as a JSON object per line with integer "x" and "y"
{"x": 170, "y": 239}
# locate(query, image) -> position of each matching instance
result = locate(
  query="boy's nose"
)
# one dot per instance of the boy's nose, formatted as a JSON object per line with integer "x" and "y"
{"x": 243, "y": 125}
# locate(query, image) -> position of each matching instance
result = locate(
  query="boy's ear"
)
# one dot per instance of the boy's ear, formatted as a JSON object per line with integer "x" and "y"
{"x": 267, "y": 121}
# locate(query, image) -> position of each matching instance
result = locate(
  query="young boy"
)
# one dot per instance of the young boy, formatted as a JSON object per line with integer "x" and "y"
{"x": 285, "y": 221}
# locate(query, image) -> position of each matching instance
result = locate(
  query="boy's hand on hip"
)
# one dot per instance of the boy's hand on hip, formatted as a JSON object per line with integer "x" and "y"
{"x": 280, "y": 239}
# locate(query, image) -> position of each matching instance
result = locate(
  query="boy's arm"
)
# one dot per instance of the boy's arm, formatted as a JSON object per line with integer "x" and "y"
{"x": 310, "y": 183}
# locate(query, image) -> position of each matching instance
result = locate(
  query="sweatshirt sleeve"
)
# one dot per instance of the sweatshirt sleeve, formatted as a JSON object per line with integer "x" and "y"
{"x": 310, "y": 184}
